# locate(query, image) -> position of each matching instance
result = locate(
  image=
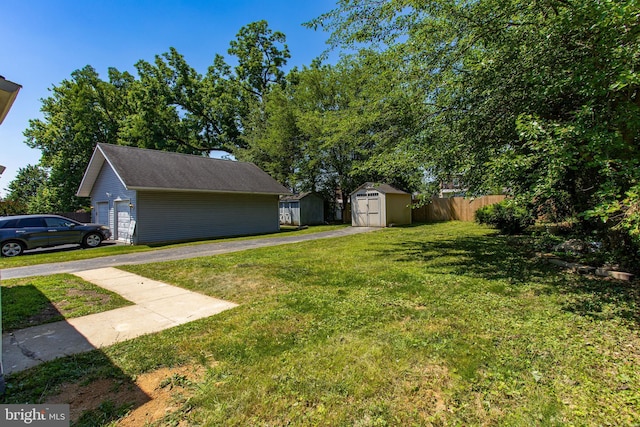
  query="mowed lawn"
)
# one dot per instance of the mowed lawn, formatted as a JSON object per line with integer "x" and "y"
{"x": 439, "y": 324}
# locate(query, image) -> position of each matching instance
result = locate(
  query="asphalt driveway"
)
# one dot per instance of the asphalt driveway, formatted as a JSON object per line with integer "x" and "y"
{"x": 172, "y": 254}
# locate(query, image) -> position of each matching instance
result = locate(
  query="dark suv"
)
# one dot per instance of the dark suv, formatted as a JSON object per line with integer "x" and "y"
{"x": 21, "y": 232}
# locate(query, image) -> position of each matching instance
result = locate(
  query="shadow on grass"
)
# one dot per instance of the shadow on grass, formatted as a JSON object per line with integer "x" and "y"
{"x": 25, "y": 306}
{"x": 491, "y": 257}
{"x": 65, "y": 248}
{"x": 37, "y": 366}
{"x": 600, "y": 299}
{"x": 512, "y": 259}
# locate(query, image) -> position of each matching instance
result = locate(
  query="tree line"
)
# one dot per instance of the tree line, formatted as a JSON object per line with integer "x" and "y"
{"x": 313, "y": 129}
{"x": 538, "y": 99}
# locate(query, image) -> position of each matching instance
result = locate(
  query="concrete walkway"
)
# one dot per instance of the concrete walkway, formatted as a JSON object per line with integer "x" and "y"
{"x": 158, "y": 306}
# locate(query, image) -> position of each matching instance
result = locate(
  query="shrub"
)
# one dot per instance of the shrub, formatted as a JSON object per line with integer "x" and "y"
{"x": 508, "y": 216}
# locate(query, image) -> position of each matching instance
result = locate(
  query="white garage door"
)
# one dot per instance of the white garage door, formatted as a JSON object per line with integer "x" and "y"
{"x": 122, "y": 220}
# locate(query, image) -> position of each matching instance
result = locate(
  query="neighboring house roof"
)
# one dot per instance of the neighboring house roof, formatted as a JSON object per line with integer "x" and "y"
{"x": 382, "y": 188}
{"x": 144, "y": 169}
{"x": 300, "y": 196}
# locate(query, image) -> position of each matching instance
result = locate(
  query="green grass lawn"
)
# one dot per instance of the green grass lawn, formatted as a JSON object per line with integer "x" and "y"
{"x": 442, "y": 324}
{"x": 109, "y": 248}
{"x": 37, "y": 300}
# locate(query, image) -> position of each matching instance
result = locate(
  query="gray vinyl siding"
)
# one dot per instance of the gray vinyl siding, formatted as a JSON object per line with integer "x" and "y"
{"x": 176, "y": 216}
{"x": 108, "y": 188}
{"x": 311, "y": 210}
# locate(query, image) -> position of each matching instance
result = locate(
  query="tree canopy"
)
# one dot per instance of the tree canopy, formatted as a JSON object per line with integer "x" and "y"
{"x": 540, "y": 97}
{"x": 536, "y": 98}
{"x": 321, "y": 128}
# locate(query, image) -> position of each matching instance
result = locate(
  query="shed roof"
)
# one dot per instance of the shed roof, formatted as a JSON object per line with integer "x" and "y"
{"x": 382, "y": 188}
{"x": 144, "y": 169}
{"x": 299, "y": 196}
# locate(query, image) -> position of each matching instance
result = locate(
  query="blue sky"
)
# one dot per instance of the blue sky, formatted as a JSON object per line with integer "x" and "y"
{"x": 44, "y": 41}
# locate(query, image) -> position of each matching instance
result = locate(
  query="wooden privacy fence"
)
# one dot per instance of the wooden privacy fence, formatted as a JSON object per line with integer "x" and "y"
{"x": 452, "y": 208}
{"x": 83, "y": 217}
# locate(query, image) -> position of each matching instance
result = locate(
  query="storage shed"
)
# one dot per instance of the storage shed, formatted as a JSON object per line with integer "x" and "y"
{"x": 149, "y": 196}
{"x": 380, "y": 205}
{"x": 302, "y": 209}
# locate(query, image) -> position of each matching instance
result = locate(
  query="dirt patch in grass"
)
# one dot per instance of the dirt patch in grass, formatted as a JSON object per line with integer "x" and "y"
{"x": 49, "y": 313}
{"x": 421, "y": 391}
{"x": 96, "y": 298}
{"x": 152, "y": 397}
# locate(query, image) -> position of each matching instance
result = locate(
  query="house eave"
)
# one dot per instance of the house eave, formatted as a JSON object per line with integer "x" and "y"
{"x": 98, "y": 159}
{"x": 199, "y": 190}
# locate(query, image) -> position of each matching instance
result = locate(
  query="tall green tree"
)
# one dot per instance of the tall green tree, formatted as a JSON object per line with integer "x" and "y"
{"x": 169, "y": 106}
{"x": 178, "y": 109}
{"x": 23, "y": 190}
{"x": 274, "y": 139}
{"x": 261, "y": 54}
{"x": 26, "y": 184}
{"x": 539, "y": 97}
{"x": 335, "y": 127}
{"x": 80, "y": 113}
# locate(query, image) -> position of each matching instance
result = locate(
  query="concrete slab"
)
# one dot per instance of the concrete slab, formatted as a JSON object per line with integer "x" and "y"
{"x": 158, "y": 306}
{"x": 29, "y": 347}
{"x": 110, "y": 327}
{"x": 140, "y": 294}
{"x": 188, "y": 307}
{"x": 130, "y": 286}
{"x": 102, "y": 274}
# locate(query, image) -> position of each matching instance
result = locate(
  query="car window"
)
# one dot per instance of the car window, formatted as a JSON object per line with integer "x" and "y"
{"x": 31, "y": 222}
{"x": 58, "y": 222}
{"x": 10, "y": 223}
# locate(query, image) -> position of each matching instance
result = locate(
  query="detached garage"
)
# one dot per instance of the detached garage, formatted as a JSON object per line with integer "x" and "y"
{"x": 149, "y": 196}
{"x": 380, "y": 205}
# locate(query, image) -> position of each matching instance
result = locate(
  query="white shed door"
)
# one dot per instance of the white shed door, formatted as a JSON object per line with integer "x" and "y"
{"x": 367, "y": 209}
{"x": 285, "y": 213}
{"x": 374, "y": 210}
{"x": 123, "y": 220}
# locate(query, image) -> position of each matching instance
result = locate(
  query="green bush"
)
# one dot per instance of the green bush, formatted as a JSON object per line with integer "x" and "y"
{"x": 508, "y": 216}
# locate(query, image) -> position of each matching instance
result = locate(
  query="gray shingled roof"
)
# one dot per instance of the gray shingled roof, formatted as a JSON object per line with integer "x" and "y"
{"x": 299, "y": 196}
{"x": 382, "y": 188}
{"x": 143, "y": 169}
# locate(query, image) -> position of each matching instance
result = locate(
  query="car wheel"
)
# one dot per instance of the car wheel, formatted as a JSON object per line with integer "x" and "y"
{"x": 92, "y": 240}
{"x": 12, "y": 248}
